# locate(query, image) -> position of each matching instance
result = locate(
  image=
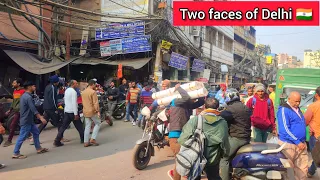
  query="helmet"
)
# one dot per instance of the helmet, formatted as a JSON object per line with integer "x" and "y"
{"x": 231, "y": 95}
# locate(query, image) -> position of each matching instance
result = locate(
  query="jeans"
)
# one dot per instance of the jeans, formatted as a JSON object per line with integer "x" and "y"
{"x": 260, "y": 135}
{"x": 13, "y": 125}
{"x": 134, "y": 114}
{"x": 24, "y": 133}
{"x": 128, "y": 112}
{"x": 111, "y": 107}
{"x": 55, "y": 120}
{"x": 1, "y": 139}
{"x": 235, "y": 144}
{"x": 67, "y": 119}
{"x": 313, "y": 168}
{"x": 96, "y": 120}
{"x": 212, "y": 172}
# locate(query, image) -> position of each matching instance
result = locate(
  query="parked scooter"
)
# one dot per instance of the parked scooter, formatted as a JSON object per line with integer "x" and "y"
{"x": 260, "y": 162}
{"x": 154, "y": 135}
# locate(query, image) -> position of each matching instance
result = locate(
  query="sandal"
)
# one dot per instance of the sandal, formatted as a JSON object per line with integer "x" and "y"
{"x": 42, "y": 150}
{"x": 19, "y": 156}
{"x": 2, "y": 166}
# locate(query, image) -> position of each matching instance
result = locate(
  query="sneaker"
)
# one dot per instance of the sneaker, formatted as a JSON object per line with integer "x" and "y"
{"x": 133, "y": 123}
{"x": 7, "y": 143}
{"x": 170, "y": 174}
{"x": 126, "y": 120}
{"x": 2, "y": 166}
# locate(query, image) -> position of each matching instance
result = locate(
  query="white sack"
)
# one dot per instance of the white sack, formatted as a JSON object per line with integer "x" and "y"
{"x": 170, "y": 92}
{"x": 193, "y": 94}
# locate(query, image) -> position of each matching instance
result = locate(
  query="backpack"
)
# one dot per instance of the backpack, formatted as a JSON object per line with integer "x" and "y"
{"x": 190, "y": 160}
{"x": 257, "y": 121}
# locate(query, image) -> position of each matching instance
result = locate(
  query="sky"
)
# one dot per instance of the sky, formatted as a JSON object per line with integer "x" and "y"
{"x": 290, "y": 40}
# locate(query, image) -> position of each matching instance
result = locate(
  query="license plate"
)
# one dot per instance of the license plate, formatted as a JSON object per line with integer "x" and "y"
{"x": 81, "y": 115}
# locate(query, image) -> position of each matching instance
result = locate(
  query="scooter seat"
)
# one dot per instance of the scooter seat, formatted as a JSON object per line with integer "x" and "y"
{"x": 257, "y": 147}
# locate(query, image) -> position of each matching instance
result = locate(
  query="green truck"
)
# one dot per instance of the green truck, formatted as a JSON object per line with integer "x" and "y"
{"x": 302, "y": 80}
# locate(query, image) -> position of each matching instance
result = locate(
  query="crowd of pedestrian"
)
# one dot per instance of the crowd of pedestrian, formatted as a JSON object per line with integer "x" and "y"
{"x": 226, "y": 131}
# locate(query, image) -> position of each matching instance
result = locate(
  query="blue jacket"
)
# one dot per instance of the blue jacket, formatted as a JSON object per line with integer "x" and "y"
{"x": 292, "y": 128}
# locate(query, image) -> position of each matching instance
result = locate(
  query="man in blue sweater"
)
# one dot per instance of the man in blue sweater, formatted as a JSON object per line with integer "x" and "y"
{"x": 292, "y": 130}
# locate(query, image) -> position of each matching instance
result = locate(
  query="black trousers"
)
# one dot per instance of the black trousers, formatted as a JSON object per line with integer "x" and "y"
{"x": 67, "y": 119}
{"x": 212, "y": 172}
{"x": 55, "y": 120}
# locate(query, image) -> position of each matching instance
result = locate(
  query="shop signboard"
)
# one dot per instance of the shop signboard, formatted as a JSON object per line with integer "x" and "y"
{"x": 105, "y": 48}
{"x": 136, "y": 44}
{"x": 121, "y": 30}
{"x": 126, "y": 45}
{"x": 198, "y": 65}
{"x": 178, "y": 61}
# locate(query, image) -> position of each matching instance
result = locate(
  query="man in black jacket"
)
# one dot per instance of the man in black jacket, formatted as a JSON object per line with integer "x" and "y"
{"x": 237, "y": 116}
{"x": 50, "y": 103}
{"x": 112, "y": 94}
{"x": 123, "y": 89}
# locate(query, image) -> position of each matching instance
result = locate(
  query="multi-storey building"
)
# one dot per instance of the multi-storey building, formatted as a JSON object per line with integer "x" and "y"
{"x": 311, "y": 59}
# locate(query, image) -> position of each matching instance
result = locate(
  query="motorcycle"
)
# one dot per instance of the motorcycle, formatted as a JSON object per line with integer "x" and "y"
{"x": 120, "y": 111}
{"x": 154, "y": 134}
{"x": 259, "y": 162}
{"x": 103, "y": 104}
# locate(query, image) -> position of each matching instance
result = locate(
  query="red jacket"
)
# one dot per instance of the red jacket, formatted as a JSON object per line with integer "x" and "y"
{"x": 262, "y": 111}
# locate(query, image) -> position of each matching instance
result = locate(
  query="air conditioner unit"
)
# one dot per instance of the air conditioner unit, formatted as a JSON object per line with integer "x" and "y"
{"x": 195, "y": 33}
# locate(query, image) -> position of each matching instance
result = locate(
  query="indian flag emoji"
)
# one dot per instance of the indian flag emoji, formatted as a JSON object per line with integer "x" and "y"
{"x": 304, "y": 14}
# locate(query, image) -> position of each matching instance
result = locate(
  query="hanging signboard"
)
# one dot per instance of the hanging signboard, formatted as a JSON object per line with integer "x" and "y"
{"x": 268, "y": 59}
{"x": 121, "y": 30}
{"x": 105, "y": 48}
{"x": 166, "y": 44}
{"x": 198, "y": 65}
{"x": 84, "y": 42}
{"x": 126, "y": 45}
{"x": 178, "y": 61}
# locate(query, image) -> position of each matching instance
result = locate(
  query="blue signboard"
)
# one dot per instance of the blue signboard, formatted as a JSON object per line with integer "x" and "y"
{"x": 198, "y": 65}
{"x": 136, "y": 44}
{"x": 126, "y": 45}
{"x": 178, "y": 61}
{"x": 121, "y": 30}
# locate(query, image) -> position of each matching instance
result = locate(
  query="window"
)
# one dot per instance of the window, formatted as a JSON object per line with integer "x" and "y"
{"x": 210, "y": 35}
{"x": 220, "y": 36}
{"x": 228, "y": 44}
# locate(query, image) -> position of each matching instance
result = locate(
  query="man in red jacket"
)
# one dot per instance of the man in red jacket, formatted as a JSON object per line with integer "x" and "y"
{"x": 262, "y": 118}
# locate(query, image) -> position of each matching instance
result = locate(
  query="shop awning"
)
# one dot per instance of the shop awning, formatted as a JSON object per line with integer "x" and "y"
{"x": 134, "y": 63}
{"x": 32, "y": 63}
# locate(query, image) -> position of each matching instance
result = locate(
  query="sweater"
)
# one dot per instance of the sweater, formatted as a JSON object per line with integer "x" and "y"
{"x": 262, "y": 111}
{"x": 291, "y": 126}
{"x": 90, "y": 103}
{"x": 17, "y": 93}
{"x": 133, "y": 95}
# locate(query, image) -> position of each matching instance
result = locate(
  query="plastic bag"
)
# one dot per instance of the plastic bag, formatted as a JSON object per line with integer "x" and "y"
{"x": 272, "y": 139}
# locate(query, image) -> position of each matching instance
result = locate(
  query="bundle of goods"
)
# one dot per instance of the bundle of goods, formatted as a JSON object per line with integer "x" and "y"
{"x": 195, "y": 90}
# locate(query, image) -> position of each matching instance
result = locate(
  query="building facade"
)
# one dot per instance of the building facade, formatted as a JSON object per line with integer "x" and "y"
{"x": 311, "y": 59}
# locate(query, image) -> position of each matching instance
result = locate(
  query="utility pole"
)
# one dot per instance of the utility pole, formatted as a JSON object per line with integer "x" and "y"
{"x": 68, "y": 34}
{"x": 68, "y": 41}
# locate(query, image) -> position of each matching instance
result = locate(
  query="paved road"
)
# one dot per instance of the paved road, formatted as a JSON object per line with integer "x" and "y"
{"x": 120, "y": 137}
{"x": 111, "y": 160}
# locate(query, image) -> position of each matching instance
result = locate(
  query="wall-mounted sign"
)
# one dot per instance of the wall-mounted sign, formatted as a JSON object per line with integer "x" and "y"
{"x": 126, "y": 45}
{"x": 121, "y": 30}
